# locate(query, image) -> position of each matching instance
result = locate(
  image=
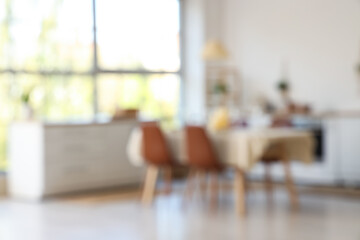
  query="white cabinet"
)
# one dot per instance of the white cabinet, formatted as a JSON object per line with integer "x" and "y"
{"x": 52, "y": 159}
{"x": 348, "y": 147}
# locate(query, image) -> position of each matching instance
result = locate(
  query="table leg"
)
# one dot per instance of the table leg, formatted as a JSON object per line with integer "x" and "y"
{"x": 239, "y": 190}
{"x": 290, "y": 185}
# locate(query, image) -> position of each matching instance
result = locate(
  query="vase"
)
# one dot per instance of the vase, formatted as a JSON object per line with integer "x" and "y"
{"x": 27, "y": 112}
{"x": 219, "y": 119}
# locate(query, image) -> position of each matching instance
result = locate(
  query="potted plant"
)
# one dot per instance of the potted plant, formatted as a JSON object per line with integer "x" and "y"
{"x": 220, "y": 88}
{"x": 27, "y": 111}
{"x": 284, "y": 88}
{"x": 220, "y": 91}
{"x": 283, "y": 85}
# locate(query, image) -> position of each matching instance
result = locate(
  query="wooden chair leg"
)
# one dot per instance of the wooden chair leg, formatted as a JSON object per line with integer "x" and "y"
{"x": 214, "y": 189}
{"x": 290, "y": 185}
{"x": 239, "y": 189}
{"x": 202, "y": 182}
{"x": 167, "y": 180}
{"x": 189, "y": 190}
{"x": 268, "y": 183}
{"x": 152, "y": 173}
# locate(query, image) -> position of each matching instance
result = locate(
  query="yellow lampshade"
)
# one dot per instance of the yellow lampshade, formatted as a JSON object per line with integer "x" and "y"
{"x": 214, "y": 50}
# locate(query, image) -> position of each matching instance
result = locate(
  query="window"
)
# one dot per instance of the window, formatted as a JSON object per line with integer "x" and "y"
{"x": 50, "y": 49}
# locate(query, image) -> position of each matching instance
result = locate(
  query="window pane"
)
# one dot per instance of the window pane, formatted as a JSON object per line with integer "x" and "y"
{"x": 125, "y": 91}
{"x": 46, "y": 34}
{"x": 12, "y": 89}
{"x": 156, "y": 96}
{"x": 138, "y": 34}
{"x": 68, "y": 98}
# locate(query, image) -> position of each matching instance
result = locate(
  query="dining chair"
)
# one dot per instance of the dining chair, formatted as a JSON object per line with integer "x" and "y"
{"x": 202, "y": 160}
{"x": 277, "y": 153}
{"x": 158, "y": 157}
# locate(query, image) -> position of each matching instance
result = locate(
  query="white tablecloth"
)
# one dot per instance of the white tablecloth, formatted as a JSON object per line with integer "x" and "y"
{"x": 242, "y": 148}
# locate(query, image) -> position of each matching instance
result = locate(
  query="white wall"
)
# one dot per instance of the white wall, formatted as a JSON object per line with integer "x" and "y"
{"x": 320, "y": 40}
{"x": 193, "y": 73}
{"x": 202, "y": 20}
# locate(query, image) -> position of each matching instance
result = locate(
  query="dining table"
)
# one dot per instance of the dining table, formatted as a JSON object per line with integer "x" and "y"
{"x": 238, "y": 148}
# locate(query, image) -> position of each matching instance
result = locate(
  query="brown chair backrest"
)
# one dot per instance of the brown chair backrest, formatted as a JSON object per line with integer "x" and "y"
{"x": 200, "y": 151}
{"x": 155, "y": 149}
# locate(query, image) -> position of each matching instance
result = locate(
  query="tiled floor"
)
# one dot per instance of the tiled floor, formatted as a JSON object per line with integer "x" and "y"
{"x": 113, "y": 216}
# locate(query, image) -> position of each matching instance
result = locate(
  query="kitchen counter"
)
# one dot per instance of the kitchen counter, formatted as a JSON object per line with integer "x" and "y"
{"x": 54, "y": 158}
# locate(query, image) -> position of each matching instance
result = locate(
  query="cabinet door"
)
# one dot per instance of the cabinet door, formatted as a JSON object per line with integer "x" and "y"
{"x": 74, "y": 144}
{"x": 349, "y": 144}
